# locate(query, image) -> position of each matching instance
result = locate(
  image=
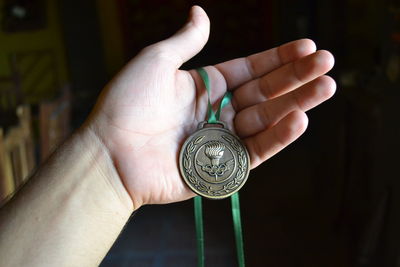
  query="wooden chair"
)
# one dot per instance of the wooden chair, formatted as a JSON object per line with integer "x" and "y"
{"x": 17, "y": 160}
{"x": 33, "y": 78}
{"x": 7, "y": 184}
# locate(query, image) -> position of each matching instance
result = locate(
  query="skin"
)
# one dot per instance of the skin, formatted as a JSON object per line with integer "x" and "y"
{"x": 125, "y": 155}
{"x": 140, "y": 117}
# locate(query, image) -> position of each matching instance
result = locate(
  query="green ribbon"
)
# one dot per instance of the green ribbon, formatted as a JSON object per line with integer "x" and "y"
{"x": 213, "y": 117}
{"x": 237, "y": 224}
{"x": 198, "y": 216}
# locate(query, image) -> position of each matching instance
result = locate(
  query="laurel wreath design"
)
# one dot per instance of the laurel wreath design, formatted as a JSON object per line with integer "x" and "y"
{"x": 241, "y": 173}
{"x": 201, "y": 186}
{"x": 191, "y": 147}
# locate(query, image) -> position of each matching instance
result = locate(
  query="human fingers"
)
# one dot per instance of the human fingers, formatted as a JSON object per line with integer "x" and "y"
{"x": 283, "y": 79}
{"x": 266, "y": 114}
{"x": 241, "y": 70}
{"x": 267, "y": 143}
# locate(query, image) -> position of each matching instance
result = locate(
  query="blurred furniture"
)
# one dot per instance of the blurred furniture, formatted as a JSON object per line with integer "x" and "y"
{"x": 17, "y": 147}
{"x": 32, "y": 85}
{"x": 10, "y": 87}
{"x": 40, "y": 85}
{"x": 54, "y": 120}
{"x": 16, "y": 153}
{"x": 38, "y": 74}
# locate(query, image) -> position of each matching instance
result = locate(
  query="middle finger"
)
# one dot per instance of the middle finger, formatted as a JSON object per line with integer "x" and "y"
{"x": 283, "y": 80}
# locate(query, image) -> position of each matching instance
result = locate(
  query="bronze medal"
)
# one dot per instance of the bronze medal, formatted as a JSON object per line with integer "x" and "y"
{"x": 213, "y": 161}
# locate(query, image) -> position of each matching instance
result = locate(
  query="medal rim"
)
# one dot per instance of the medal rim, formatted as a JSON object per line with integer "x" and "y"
{"x": 183, "y": 147}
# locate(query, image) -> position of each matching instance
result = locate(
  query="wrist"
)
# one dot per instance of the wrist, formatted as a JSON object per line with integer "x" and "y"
{"x": 71, "y": 210}
{"x": 105, "y": 164}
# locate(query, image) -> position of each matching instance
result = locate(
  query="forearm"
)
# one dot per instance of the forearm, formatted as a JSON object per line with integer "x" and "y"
{"x": 69, "y": 213}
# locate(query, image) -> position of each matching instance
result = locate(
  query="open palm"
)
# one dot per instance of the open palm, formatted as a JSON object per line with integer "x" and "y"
{"x": 145, "y": 114}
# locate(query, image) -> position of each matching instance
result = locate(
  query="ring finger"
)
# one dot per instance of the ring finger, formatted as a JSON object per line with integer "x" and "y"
{"x": 266, "y": 114}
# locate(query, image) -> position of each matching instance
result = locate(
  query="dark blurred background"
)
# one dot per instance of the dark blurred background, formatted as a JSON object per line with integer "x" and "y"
{"x": 330, "y": 199}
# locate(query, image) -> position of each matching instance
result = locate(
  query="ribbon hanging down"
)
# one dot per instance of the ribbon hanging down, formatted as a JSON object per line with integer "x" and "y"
{"x": 213, "y": 118}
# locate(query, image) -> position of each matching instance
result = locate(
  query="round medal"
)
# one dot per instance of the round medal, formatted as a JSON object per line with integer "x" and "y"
{"x": 213, "y": 161}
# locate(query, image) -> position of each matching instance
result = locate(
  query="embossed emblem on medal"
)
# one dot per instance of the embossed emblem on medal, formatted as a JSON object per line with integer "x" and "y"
{"x": 213, "y": 162}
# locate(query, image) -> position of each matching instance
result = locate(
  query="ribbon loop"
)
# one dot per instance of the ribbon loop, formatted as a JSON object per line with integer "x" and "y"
{"x": 213, "y": 118}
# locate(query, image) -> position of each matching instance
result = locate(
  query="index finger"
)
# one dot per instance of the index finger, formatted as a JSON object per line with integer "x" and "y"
{"x": 241, "y": 70}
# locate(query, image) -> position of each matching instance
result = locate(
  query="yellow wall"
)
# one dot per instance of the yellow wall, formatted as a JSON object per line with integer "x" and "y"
{"x": 49, "y": 38}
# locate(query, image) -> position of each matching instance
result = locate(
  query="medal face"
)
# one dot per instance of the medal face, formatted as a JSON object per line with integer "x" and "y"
{"x": 214, "y": 163}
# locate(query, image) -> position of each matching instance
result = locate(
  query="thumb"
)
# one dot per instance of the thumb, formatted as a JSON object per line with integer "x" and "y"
{"x": 189, "y": 40}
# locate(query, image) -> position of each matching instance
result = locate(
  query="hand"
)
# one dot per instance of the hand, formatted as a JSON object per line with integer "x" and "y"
{"x": 147, "y": 111}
